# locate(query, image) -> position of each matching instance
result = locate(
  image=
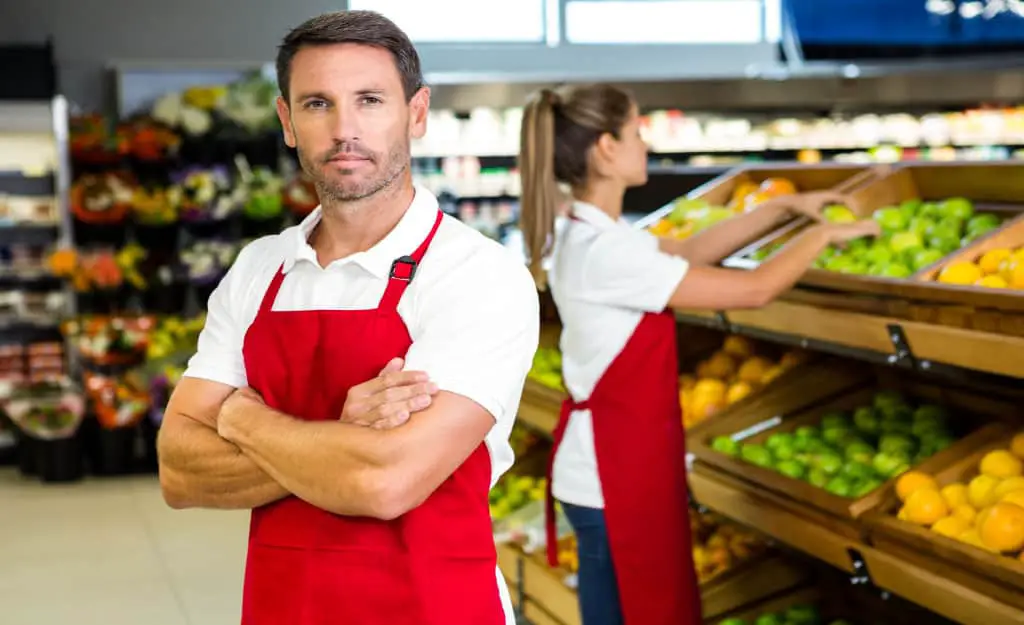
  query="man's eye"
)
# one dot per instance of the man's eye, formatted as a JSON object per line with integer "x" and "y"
{"x": 370, "y": 99}
{"x": 315, "y": 104}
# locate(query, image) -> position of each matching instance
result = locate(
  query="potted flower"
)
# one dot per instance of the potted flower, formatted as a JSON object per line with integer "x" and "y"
{"x": 208, "y": 200}
{"x": 155, "y": 212}
{"x": 48, "y": 416}
{"x": 300, "y": 196}
{"x": 264, "y": 206}
{"x": 206, "y": 262}
{"x": 92, "y": 146}
{"x": 119, "y": 405}
{"x": 100, "y": 205}
{"x": 110, "y": 341}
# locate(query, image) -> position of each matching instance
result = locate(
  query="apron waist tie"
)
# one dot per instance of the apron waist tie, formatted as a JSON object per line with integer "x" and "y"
{"x": 569, "y": 405}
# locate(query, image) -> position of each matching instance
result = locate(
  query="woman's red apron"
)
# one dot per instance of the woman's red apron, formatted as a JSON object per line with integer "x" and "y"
{"x": 436, "y": 565}
{"x": 641, "y": 460}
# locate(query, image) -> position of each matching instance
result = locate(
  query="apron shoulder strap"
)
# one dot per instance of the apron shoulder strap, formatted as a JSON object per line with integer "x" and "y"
{"x": 271, "y": 295}
{"x": 403, "y": 270}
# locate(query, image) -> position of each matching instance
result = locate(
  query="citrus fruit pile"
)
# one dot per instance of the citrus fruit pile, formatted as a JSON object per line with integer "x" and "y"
{"x": 513, "y": 492}
{"x": 719, "y": 545}
{"x": 1000, "y": 268}
{"x": 986, "y": 512}
{"x": 690, "y": 216}
{"x": 850, "y": 454}
{"x": 547, "y": 368}
{"x": 727, "y": 376}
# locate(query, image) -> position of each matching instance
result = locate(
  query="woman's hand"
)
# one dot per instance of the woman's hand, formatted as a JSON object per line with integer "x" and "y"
{"x": 810, "y": 204}
{"x": 840, "y": 233}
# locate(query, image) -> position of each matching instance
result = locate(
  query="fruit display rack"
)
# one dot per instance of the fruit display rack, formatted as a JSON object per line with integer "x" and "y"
{"x": 893, "y": 449}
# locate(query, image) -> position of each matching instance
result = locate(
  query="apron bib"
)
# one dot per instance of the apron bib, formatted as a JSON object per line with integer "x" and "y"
{"x": 434, "y": 565}
{"x": 641, "y": 460}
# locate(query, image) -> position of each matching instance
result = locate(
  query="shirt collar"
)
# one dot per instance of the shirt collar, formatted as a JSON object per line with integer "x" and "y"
{"x": 404, "y": 238}
{"x": 594, "y": 216}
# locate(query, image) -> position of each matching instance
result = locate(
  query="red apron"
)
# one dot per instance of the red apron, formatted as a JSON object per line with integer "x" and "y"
{"x": 436, "y": 565}
{"x": 641, "y": 460}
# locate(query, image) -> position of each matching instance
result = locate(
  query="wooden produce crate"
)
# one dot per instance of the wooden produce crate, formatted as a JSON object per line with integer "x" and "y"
{"x": 996, "y": 188}
{"x": 720, "y": 191}
{"x": 998, "y": 576}
{"x": 975, "y": 416}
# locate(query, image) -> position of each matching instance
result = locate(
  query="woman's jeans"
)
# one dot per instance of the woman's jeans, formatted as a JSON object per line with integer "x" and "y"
{"x": 598, "y": 590}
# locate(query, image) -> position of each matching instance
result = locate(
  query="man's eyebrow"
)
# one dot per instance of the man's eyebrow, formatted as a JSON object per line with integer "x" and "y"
{"x": 319, "y": 95}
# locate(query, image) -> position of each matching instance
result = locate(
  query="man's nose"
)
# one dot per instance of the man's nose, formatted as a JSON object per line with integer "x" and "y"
{"x": 345, "y": 124}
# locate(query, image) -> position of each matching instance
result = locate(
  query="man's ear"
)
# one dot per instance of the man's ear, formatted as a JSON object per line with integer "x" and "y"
{"x": 284, "y": 114}
{"x": 419, "y": 107}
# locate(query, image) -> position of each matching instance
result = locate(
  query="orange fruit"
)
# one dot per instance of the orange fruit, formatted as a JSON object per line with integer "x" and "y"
{"x": 925, "y": 506}
{"x": 965, "y": 512}
{"x": 710, "y": 388}
{"x": 687, "y": 382}
{"x": 739, "y": 346}
{"x": 990, "y": 260}
{"x": 913, "y": 481}
{"x": 793, "y": 358}
{"x": 738, "y": 391}
{"x": 951, "y": 526}
{"x": 778, "y": 186}
{"x": 1001, "y": 465}
{"x": 1008, "y": 486}
{"x": 771, "y": 374}
{"x": 955, "y": 495}
{"x": 960, "y": 273}
{"x": 1015, "y": 497}
{"x": 1017, "y": 445}
{"x": 971, "y": 537}
{"x": 721, "y": 366}
{"x": 1003, "y": 528}
{"x": 753, "y": 369}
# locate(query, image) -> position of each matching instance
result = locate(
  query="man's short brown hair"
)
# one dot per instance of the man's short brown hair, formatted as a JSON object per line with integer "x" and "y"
{"x": 362, "y": 27}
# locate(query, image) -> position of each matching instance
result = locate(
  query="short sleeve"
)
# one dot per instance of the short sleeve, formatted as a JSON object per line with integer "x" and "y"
{"x": 625, "y": 268}
{"x": 476, "y": 331}
{"x": 218, "y": 357}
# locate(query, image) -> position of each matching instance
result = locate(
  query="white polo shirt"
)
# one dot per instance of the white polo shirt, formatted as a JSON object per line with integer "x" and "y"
{"x": 472, "y": 310}
{"x": 605, "y": 275}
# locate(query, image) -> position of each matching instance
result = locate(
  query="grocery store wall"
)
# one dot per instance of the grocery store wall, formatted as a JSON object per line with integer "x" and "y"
{"x": 90, "y": 34}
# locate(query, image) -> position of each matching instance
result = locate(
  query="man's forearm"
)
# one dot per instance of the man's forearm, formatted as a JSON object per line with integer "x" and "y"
{"x": 199, "y": 469}
{"x": 334, "y": 466}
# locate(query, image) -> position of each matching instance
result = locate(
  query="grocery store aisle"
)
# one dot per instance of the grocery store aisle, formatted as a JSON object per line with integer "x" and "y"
{"x": 110, "y": 552}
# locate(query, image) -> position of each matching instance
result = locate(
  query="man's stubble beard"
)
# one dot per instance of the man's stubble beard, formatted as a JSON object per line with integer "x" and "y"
{"x": 396, "y": 163}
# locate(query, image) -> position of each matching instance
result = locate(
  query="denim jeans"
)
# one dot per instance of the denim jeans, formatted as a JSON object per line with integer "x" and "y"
{"x": 598, "y": 590}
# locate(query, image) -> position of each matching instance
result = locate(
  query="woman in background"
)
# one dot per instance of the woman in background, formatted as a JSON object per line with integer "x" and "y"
{"x": 618, "y": 464}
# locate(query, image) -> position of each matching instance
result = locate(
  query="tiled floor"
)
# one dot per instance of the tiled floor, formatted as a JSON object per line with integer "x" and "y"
{"x": 109, "y": 552}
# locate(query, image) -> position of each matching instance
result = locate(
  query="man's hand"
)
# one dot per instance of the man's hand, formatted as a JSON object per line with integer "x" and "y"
{"x": 236, "y": 405}
{"x": 388, "y": 400}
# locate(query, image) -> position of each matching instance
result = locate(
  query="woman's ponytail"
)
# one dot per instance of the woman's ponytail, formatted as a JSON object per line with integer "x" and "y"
{"x": 540, "y": 194}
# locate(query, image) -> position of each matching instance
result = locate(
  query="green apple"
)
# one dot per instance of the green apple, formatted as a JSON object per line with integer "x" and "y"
{"x": 779, "y": 439}
{"x": 897, "y": 444}
{"x": 817, "y": 478}
{"x": 958, "y": 207}
{"x": 835, "y": 419}
{"x": 834, "y": 435}
{"x": 867, "y": 486}
{"x": 803, "y": 615}
{"x": 807, "y": 432}
{"x": 838, "y": 214}
{"x": 725, "y": 445}
{"x": 895, "y": 270}
{"x": 924, "y": 258}
{"x": 829, "y": 462}
{"x": 982, "y": 224}
{"x": 770, "y": 619}
{"x": 839, "y": 486}
{"x": 891, "y": 219}
{"x": 878, "y": 254}
{"x": 791, "y": 468}
{"x": 860, "y": 452}
{"x": 887, "y": 402}
{"x": 909, "y": 208}
{"x": 733, "y": 621}
{"x": 866, "y": 420}
{"x": 856, "y": 471}
{"x": 756, "y": 455}
{"x": 920, "y": 225}
{"x": 905, "y": 240}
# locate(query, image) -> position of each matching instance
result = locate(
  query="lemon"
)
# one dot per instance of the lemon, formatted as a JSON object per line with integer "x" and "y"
{"x": 955, "y": 495}
{"x": 1001, "y": 464}
{"x": 960, "y": 273}
{"x": 913, "y": 481}
{"x": 1008, "y": 485}
{"x": 992, "y": 282}
{"x": 951, "y": 526}
{"x": 990, "y": 260}
{"x": 980, "y": 492}
{"x": 965, "y": 513}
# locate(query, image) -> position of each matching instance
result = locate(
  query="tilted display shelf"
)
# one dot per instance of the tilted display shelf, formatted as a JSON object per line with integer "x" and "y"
{"x": 998, "y": 576}
{"x": 828, "y": 176}
{"x": 973, "y": 417}
{"x": 994, "y": 187}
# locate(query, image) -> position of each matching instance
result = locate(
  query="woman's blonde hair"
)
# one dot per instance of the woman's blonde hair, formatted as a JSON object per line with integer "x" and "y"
{"x": 560, "y": 126}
